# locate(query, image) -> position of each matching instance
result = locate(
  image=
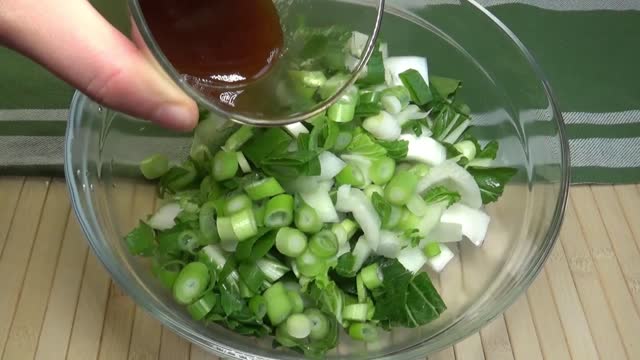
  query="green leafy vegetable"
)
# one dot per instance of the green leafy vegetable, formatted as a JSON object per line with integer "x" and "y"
{"x": 445, "y": 87}
{"x": 141, "y": 240}
{"x": 440, "y": 193}
{"x": 492, "y": 181}
{"x": 406, "y": 299}
{"x": 383, "y": 208}
{"x": 397, "y": 149}
{"x": 418, "y": 88}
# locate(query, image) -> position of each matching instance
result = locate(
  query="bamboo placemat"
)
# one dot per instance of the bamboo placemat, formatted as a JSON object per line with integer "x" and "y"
{"x": 57, "y": 302}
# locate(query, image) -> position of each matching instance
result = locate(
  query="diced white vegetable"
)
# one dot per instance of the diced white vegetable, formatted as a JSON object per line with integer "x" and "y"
{"x": 361, "y": 252}
{"x": 356, "y": 202}
{"x": 474, "y": 222}
{"x": 411, "y": 112}
{"x": 412, "y": 258}
{"x": 343, "y": 198}
{"x": 383, "y": 126}
{"x": 455, "y": 178}
{"x": 431, "y": 217}
{"x": 391, "y": 104}
{"x": 243, "y": 163}
{"x": 390, "y": 244}
{"x": 330, "y": 165}
{"x": 296, "y": 129}
{"x": 467, "y": 148}
{"x": 395, "y": 65}
{"x": 424, "y": 149}
{"x": 343, "y": 249}
{"x": 446, "y": 233}
{"x": 362, "y": 162}
{"x": 320, "y": 200}
{"x": 165, "y": 217}
{"x": 229, "y": 246}
{"x": 437, "y": 263}
{"x": 357, "y": 43}
{"x": 417, "y": 205}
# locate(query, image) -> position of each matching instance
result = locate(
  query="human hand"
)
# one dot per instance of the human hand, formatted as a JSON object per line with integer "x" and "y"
{"x": 71, "y": 39}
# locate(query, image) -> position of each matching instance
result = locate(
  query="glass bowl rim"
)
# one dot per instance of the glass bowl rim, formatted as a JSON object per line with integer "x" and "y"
{"x": 408, "y": 353}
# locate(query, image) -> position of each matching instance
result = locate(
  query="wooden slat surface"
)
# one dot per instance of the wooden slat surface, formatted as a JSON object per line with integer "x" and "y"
{"x": 57, "y": 301}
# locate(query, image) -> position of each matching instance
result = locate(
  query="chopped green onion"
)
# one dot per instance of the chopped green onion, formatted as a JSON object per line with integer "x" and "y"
{"x": 154, "y": 166}
{"x": 258, "y": 306}
{"x": 225, "y": 229}
{"x": 207, "y": 223}
{"x": 178, "y": 178}
{"x": 324, "y": 244}
{"x": 258, "y": 211}
{"x": 367, "y": 109}
{"x": 309, "y": 264}
{"x": 391, "y": 104}
{"x": 291, "y": 242}
{"x": 272, "y": 268}
{"x": 467, "y": 148}
{"x": 319, "y": 324}
{"x": 432, "y": 249}
{"x": 371, "y": 276}
{"x": 237, "y": 203}
{"x": 298, "y": 326}
{"x": 408, "y": 221}
{"x": 312, "y": 79}
{"x": 251, "y": 275}
{"x": 400, "y": 93}
{"x": 168, "y": 273}
{"x": 263, "y": 189}
{"x": 225, "y": 165}
{"x": 369, "y": 96}
{"x": 263, "y": 245}
{"x": 351, "y": 175}
{"x": 191, "y": 282}
{"x": 382, "y": 170}
{"x": 203, "y": 306}
{"x": 238, "y": 138}
{"x": 400, "y": 188}
{"x": 360, "y": 289}
{"x": 307, "y": 219}
{"x": 369, "y": 190}
{"x": 414, "y": 82}
{"x": 279, "y": 211}
{"x": 278, "y": 304}
{"x": 342, "y": 140}
{"x": 243, "y": 163}
{"x": 332, "y": 85}
{"x": 297, "y": 304}
{"x": 341, "y": 112}
{"x": 188, "y": 241}
{"x": 355, "y": 312}
{"x": 200, "y": 154}
{"x": 244, "y": 224}
{"x": 393, "y": 219}
{"x": 363, "y": 332}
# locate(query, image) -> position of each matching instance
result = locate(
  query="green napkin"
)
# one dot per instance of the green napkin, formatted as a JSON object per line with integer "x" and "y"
{"x": 587, "y": 48}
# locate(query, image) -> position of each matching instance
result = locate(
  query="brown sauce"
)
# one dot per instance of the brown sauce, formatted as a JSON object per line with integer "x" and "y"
{"x": 218, "y": 42}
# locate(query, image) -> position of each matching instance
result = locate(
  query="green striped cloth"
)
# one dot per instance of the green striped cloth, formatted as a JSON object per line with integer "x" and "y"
{"x": 587, "y": 48}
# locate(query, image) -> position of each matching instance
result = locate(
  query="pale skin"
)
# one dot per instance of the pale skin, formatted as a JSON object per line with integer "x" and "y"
{"x": 72, "y": 40}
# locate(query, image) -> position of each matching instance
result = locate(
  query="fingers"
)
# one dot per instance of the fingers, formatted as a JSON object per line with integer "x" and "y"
{"x": 72, "y": 40}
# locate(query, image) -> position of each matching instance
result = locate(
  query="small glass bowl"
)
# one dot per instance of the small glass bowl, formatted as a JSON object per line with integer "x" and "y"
{"x": 511, "y": 103}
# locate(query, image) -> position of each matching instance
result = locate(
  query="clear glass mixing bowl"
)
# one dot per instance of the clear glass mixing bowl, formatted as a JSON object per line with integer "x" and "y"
{"x": 511, "y": 102}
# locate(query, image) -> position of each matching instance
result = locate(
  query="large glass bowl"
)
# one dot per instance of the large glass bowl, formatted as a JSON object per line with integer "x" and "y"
{"x": 511, "y": 103}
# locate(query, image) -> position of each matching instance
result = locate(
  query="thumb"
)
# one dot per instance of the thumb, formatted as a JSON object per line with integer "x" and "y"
{"x": 72, "y": 40}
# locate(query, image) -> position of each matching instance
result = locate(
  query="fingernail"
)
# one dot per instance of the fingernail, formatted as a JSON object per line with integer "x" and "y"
{"x": 177, "y": 117}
